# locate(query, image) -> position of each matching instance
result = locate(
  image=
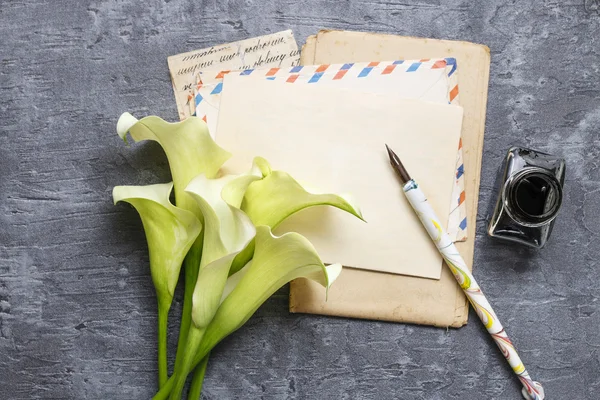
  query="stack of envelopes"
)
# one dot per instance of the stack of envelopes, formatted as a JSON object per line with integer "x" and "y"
{"x": 325, "y": 120}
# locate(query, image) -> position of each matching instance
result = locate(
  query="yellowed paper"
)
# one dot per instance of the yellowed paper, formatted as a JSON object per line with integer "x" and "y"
{"x": 307, "y": 56}
{"x": 379, "y": 296}
{"x": 334, "y": 139}
{"x": 275, "y": 50}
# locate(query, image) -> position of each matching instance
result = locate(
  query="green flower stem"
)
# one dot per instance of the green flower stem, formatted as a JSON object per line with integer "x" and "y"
{"x": 165, "y": 391}
{"x": 192, "y": 266}
{"x": 163, "y": 372}
{"x": 198, "y": 379}
{"x": 197, "y": 360}
{"x": 194, "y": 338}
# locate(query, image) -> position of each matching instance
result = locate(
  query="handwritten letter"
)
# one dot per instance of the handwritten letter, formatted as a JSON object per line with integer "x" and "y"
{"x": 275, "y": 50}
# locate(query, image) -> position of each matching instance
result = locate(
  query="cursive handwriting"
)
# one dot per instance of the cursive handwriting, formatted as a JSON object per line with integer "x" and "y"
{"x": 275, "y": 50}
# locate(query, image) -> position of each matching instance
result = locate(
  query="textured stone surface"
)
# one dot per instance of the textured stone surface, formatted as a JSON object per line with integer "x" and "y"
{"x": 77, "y": 310}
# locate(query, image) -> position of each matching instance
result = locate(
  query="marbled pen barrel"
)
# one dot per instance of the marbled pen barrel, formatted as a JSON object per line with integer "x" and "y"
{"x": 531, "y": 389}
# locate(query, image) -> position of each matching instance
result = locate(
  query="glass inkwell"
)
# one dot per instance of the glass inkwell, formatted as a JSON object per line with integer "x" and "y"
{"x": 530, "y": 197}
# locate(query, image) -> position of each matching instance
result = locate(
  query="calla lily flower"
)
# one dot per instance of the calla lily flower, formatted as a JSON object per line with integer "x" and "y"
{"x": 271, "y": 200}
{"x": 227, "y": 232}
{"x": 190, "y": 149}
{"x": 170, "y": 233}
{"x": 277, "y": 261}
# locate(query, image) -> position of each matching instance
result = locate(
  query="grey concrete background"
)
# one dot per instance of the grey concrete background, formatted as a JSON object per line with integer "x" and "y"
{"x": 77, "y": 309}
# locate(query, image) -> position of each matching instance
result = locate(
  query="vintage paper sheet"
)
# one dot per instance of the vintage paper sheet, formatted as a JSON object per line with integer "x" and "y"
{"x": 379, "y": 296}
{"x": 334, "y": 140}
{"x": 275, "y": 50}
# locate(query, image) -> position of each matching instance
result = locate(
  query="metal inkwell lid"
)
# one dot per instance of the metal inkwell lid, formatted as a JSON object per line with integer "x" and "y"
{"x": 532, "y": 196}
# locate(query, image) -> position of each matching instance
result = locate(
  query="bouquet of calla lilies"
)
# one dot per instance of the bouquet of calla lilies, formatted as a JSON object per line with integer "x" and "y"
{"x": 220, "y": 232}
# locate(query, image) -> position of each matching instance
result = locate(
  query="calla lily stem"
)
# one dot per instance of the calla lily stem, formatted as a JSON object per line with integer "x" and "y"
{"x": 200, "y": 361}
{"x": 194, "y": 338}
{"x": 198, "y": 379}
{"x": 191, "y": 265}
{"x": 163, "y": 372}
{"x": 163, "y": 393}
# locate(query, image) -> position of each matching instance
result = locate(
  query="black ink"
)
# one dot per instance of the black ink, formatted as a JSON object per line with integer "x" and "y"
{"x": 199, "y": 54}
{"x": 228, "y": 57}
{"x": 532, "y": 195}
{"x": 195, "y": 67}
{"x": 268, "y": 59}
{"x": 261, "y": 45}
{"x": 529, "y": 199}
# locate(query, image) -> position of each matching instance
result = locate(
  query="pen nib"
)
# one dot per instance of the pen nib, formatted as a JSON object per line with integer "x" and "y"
{"x": 397, "y": 165}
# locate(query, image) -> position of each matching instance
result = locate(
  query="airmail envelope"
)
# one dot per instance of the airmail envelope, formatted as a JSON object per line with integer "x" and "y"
{"x": 433, "y": 80}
